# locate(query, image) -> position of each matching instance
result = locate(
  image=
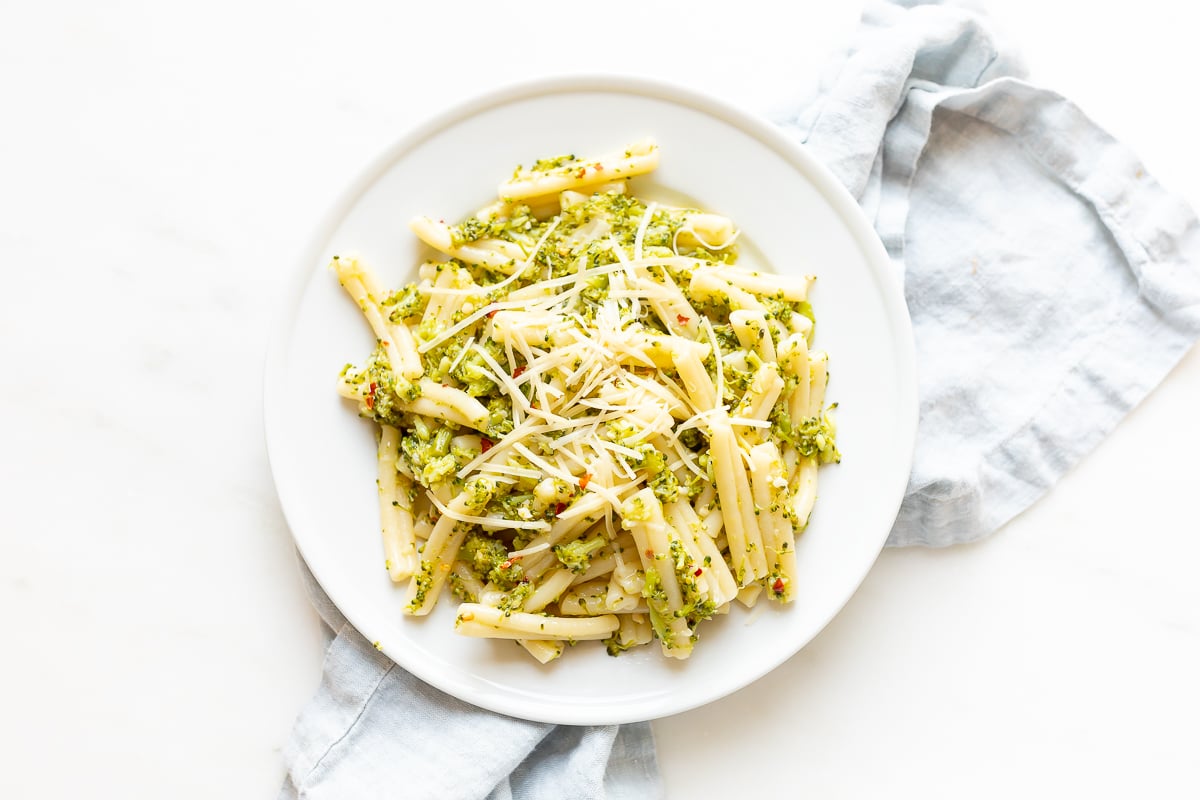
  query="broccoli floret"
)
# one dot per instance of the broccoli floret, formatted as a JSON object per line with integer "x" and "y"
{"x": 507, "y": 574}
{"x": 621, "y": 430}
{"x": 596, "y": 289}
{"x": 652, "y": 460}
{"x": 438, "y": 470}
{"x": 407, "y": 303}
{"x": 665, "y": 486}
{"x": 634, "y": 510}
{"x": 426, "y": 449}
{"x": 516, "y": 598}
{"x": 696, "y": 485}
{"x": 577, "y": 555}
{"x": 479, "y": 492}
{"x": 500, "y": 417}
{"x": 662, "y": 481}
{"x": 615, "y": 645}
{"x": 482, "y": 552}
{"x": 489, "y": 558}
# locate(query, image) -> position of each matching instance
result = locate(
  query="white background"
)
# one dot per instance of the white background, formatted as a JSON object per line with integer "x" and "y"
{"x": 161, "y": 166}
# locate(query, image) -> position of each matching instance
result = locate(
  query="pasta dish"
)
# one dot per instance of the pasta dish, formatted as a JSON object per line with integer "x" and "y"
{"x": 593, "y": 424}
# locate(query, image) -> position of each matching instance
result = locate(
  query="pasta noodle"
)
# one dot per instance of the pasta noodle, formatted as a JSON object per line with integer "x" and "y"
{"x": 593, "y": 424}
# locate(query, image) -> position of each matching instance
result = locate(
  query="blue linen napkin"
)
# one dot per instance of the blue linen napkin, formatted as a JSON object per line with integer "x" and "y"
{"x": 375, "y": 731}
{"x": 1052, "y": 283}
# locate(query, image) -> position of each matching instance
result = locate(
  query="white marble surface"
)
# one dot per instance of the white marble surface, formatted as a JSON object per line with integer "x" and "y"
{"x": 160, "y": 167}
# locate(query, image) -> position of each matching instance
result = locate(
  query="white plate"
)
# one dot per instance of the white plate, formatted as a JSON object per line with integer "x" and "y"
{"x": 792, "y": 212}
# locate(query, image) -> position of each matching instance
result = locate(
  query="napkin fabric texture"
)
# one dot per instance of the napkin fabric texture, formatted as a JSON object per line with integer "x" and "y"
{"x": 375, "y": 731}
{"x": 1051, "y": 282}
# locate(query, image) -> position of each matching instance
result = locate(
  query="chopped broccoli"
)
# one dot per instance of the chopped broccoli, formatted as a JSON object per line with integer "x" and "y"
{"x": 384, "y": 389}
{"x": 489, "y": 558}
{"x": 661, "y": 480}
{"x": 424, "y": 582}
{"x": 577, "y": 555}
{"x": 426, "y": 448}
{"x": 472, "y": 370}
{"x": 516, "y": 598}
{"x": 405, "y": 304}
{"x": 812, "y": 436}
{"x": 615, "y": 644}
{"x": 438, "y": 470}
{"x": 549, "y": 164}
{"x": 634, "y": 510}
{"x": 621, "y": 431}
{"x": 696, "y": 607}
{"x": 482, "y": 552}
{"x": 696, "y": 485}
{"x": 479, "y": 492}
{"x": 656, "y": 601}
{"x": 500, "y": 417}
{"x": 512, "y": 505}
{"x": 665, "y": 486}
{"x": 507, "y": 574}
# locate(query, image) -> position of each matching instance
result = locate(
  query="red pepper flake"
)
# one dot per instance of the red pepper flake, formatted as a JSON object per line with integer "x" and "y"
{"x": 597, "y": 166}
{"x": 649, "y": 553}
{"x": 506, "y": 564}
{"x": 583, "y": 480}
{"x": 517, "y": 372}
{"x": 581, "y": 173}
{"x": 492, "y": 313}
{"x": 370, "y": 399}
{"x": 486, "y": 443}
{"x": 682, "y": 320}
{"x": 558, "y": 509}
{"x": 699, "y": 571}
{"x": 777, "y": 586}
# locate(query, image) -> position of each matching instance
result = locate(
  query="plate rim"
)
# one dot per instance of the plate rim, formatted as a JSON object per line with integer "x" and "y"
{"x": 754, "y": 125}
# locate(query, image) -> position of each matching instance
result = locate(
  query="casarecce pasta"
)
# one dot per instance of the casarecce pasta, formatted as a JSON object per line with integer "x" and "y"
{"x": 593, "y": 424}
